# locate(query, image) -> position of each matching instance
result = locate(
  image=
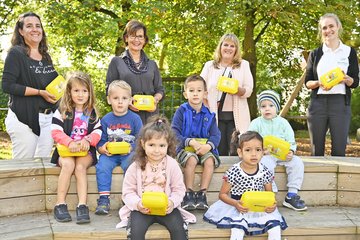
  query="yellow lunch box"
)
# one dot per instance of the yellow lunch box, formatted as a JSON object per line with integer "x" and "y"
{"x": 57, "y": 87}
{"x": 65, "y": 152}
{"x": 228, "y": 85}
{"x": 144, "y": 102}
{"x": 277, "y": 147}
{"x": 118, "y": 147}
{"x": 200, "y": 140}
{"x": 156, "y": 202}
{"x": 332, "y": 77}
{"x": 257, "y": 201}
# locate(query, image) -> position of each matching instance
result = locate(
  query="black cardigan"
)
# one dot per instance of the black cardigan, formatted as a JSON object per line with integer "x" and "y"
{"x": 353, "y": 71}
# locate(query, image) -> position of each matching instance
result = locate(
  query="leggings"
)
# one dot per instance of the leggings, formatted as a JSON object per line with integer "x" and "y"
{"x": 139, "y": 223}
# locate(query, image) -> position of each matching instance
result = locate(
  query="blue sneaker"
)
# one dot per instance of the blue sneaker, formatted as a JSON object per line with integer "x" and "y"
{"x": 189, "y": 203}
{"x": 294, "y": 203}
{"x": 103, "y": 206}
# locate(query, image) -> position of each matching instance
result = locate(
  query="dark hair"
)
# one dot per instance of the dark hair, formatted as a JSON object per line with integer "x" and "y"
{"x": 238, "y": 140}
{"x": 193, "y": 78}
{"x": 18, "y": 40}
{"x": 157, "y": 126}
{"x": 132, "y": 27}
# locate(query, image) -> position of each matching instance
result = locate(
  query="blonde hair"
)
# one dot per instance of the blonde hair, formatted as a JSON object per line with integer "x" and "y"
{"x": 119, "y": 84}
{"x": 337, "y": 20}
{"x": 67, "y": 105}
{"x": 237, "y": 56}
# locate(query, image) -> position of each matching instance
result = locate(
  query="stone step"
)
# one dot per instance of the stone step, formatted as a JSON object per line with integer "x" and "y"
{"x": 321, "y": 223}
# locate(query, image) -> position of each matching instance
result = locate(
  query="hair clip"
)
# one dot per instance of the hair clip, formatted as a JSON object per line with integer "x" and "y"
{"x": 159, "y": 122}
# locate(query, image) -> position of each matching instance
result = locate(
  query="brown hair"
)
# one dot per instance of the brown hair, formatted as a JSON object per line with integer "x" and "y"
{"x": 193, "y": 78}
{"x": 157, "y": 126}
{"x": 238, "y": 140}
{"x": 132, "y": 27}
{"x": 18, "y": 40}
{"x": 66, "y": 103}
{"x": 237, "y": 57}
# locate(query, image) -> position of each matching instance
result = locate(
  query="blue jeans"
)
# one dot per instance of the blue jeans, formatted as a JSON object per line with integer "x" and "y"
{"x": 105, "y": 167}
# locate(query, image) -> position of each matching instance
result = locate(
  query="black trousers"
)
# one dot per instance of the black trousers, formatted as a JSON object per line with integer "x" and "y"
{"x": 226, "y": 128}
{"x": 329, "y": 112}
{"x": 139, "y": 224}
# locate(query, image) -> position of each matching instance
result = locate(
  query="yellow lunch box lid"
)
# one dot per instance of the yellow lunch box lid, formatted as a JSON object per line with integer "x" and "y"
{"x": 257, "y": 201}
{"x": 144, "y": 102}
{"x": 332, "y": 77}
{"x": 65, "y": 152}
{"x": 156, "y": 202}
{"x": 57, "y": 87}
{"x": 118, "y": 147}
{"x": 228, "y": 85}
{"x": 277, "y": 147}
{"x": 200, "y": 140}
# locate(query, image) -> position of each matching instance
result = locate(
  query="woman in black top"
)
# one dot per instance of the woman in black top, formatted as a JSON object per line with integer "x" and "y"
{"x": 27, "y": 71}
{"x": 330, "y": 106}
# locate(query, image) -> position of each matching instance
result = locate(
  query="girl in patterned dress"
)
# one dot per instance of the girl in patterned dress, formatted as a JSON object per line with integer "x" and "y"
{"x": 154, "y": 170}
{"x": 248, "y": 175}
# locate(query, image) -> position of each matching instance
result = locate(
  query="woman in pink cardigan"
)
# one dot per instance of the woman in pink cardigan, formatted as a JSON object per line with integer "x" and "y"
{"x": 153, "y": 170}
{"x": 232, "y": 110}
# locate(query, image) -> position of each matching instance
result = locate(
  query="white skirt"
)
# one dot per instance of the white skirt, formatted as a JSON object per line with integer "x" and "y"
{"x": 253, "y": 223}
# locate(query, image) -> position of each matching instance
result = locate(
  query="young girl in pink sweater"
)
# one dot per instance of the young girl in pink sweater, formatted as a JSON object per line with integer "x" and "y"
{"x": 154, "y": 170}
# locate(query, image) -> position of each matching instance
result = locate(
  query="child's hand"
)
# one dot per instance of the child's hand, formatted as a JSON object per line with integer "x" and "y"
{"x": 74, "y": 146}
{"x": 103, "y": 149}
{"x": 289, "y": 156}
{"x": 170, "y": 207}
{"x": 240, "y": 207}
{"x": 84, "y": 145}
{"x": 142, "y": 209}
{"x": 266, "y": 152}
{"x": 270, "y": 209}
{"x": 203, "y": 149}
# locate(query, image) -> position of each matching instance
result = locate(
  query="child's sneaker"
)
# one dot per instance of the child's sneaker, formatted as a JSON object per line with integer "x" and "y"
{"x": 201, "y": 202}
{"x": 82, "y": 214}
{"x": 189, "y": 201}
{"x": 294, "y": 202}
{"x": 61, "y": 213}
{"x": 103, "y": 206}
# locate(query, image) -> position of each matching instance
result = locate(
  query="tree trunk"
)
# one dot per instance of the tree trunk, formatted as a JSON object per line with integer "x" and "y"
{"x": 120, "y": 45}
{"x": 249, "y": 54}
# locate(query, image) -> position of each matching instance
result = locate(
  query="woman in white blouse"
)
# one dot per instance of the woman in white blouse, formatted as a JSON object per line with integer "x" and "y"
{"x": 330, "y": 106}
{"x": 232, "y": 110}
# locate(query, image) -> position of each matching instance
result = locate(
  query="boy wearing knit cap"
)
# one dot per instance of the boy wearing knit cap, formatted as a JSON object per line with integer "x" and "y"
{"x": 269, "y": 123}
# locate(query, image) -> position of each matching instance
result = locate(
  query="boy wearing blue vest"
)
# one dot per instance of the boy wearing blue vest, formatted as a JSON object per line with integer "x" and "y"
{"x": 198, "y": 135}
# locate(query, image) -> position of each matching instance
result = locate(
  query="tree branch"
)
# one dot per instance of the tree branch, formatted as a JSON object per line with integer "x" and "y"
{"x": 262, "y": 31}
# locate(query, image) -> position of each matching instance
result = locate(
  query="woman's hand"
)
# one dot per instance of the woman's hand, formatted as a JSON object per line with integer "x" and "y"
{"x": 270, "y": 209}
{"x": 238, "y": 205}
{"x": 142, "y": 209}
{"x": 170, "y": 207}
{"x": 348, "y": 80}
{"x": 133, "y": 108}
{"x": 47, "y": 96}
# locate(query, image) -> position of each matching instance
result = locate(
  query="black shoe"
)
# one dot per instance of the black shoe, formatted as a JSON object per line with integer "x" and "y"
{"x": 61, "y": 213}
{"x": 295, "y": 203}
{"x": 82, "y": 214}
{"x": 189, "y": 201}
{"x": 201, "y": 202}
{"x": 103, "y": 206}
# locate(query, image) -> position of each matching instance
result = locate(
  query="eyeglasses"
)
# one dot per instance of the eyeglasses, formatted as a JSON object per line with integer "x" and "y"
{"x": 139, "y": 37}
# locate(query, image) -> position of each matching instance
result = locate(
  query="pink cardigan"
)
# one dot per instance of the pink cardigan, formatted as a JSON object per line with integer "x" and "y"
{"x": 240, "y": 105}
{"x": 132, "y": 185}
